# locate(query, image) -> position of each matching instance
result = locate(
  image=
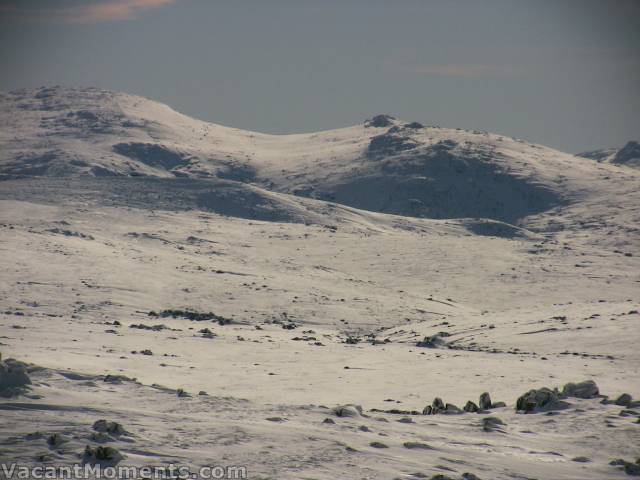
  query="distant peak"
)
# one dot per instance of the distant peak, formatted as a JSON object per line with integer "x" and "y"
{"x": 380, "y": 121}
{"x": 628, "y": 154}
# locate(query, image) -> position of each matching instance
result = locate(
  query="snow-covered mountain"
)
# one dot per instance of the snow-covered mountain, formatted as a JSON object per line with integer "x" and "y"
{"x": 629, "y": 155}
{"x": 382, "y": 165}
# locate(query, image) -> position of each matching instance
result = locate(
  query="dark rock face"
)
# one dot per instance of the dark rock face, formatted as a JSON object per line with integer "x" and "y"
{"x": 442, "y": 180}
{"x": 389, "y": 144}
{"x": 627, "y": 155}
{"x": 151, "y": 154}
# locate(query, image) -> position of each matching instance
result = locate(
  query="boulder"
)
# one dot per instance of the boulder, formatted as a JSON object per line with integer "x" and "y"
{"x": 485, "y": 401}
{"x": 452, "y": 409}
{"x": 113, "y": 428}
{"x": 347, "y": 410}
{"x": 13, "y": 378}
{"x": 624, "y": 400}
{"x": 586, "y": 389}
{"x": 470, "y": 407}
{"x": 543, "y": 399}
{"x": 489, "y": 424}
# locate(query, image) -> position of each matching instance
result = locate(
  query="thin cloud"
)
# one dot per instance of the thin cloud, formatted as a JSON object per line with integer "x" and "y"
{"x": 467, "y": 70}
{"x": 87, "y": 12}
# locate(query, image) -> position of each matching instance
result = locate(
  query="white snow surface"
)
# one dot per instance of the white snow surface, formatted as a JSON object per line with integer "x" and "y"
{"x": 113, "y": 206}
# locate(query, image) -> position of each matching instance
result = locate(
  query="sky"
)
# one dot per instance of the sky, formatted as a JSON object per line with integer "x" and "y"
{"x": 564, "y": 73}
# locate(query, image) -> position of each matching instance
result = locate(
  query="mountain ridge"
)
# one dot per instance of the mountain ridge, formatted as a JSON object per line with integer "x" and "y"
{"x": 383, "y": 165}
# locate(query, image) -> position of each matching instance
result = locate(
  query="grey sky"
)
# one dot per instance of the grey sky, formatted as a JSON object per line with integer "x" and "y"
{"x": 565, "y": 73}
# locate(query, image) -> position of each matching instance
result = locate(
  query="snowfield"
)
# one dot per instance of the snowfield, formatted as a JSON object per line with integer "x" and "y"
{"x": 218, "y": 293}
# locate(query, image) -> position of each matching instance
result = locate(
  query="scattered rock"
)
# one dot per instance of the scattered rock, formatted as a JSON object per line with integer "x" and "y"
{"x": 417, "y": 446}
{"x": 275, "y": 419}
{"x": 433, "y": 341}
{"x": 117, "y": 379}
{"x": 581, "y": 459}
{"x": 101, "y": 437}
{"x": 329, "y": 421}
{"x": 192, "y": 315}
{"x": 113, "y": 428}
{"x": 105, "y": 456}
{"x": 378, "y": 445}
{"x": 56, "y": 440}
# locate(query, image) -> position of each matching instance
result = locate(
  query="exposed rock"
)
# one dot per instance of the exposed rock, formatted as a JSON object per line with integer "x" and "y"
{"x": 56, "y": 440}
{"x": 417, "y": 446}
{"x": 348, "y": 410}
{"x": 182, "y": 393}
{"x": 380, "y": 121}
{"x": 624, "y": 400}
{"x": 117, "y": 379}
{"x": 490, "y": 424}
{"x": 586, "y": 389}
{"x": 543, "y": 399}
{"x": 378, "y": 445}
{"x": 469, "y": 476}
{"x": 471, "y": 407}
{"x": 433, "y": 341}
{"x": 105, "y": 456}
{"x": 485, "y": 401}
{"x": 13, "y": 378}
{"x": 101, "y": 437}
{"x": 389, "y": 144}
{"x": 452, "y": 409}
{"x": 113, "y": 428}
